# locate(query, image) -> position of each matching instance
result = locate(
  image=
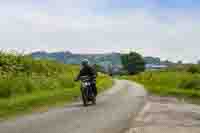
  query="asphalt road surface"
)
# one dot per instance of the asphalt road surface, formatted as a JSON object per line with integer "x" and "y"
{"x": 166, "y": 115}
{"x": 112, "y": 114}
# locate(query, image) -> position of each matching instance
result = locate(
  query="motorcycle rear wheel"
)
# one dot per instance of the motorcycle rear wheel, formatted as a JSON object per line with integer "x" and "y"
{"x": 84, "y": 98}
{"x": 94, "y": 101}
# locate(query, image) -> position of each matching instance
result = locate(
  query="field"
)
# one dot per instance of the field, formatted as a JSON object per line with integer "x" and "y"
{"x": 27, "y": 85}
{"x": 181, "y": 84}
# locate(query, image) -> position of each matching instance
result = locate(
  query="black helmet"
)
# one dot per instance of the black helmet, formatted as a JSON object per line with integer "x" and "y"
{"x": 85, "y": 62}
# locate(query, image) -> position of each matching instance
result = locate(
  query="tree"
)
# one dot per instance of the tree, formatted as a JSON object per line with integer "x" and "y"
{"x": 198, "y": 62}
{"x": 180, "y": 62}
{"x": 124, "y": 60}
{"x": 133, "y": 62}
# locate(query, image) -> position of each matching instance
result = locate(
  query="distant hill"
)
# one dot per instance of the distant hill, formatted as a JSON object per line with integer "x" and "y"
{"x": 70, "y": 58}
{"x": 152, "y": 60}
{"x": 101, "y": 59}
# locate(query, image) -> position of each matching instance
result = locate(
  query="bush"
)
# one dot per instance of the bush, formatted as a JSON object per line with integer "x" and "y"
{"x": 190, "y": 84}
{"x": 193, "y": 69}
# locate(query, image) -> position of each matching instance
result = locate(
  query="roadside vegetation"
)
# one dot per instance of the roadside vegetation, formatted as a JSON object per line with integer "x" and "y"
{"x": 181, "y": 81}
{"x": 28, "y": 85}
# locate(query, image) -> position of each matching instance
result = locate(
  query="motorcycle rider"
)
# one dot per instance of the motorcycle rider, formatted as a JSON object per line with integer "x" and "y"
{"x": 87, "y": 70}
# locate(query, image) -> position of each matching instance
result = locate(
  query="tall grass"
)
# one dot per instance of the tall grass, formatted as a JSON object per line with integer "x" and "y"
{"x": 183, "y": 84}
{"x": 20, "y": 75}
{"x": 26, "y": 85}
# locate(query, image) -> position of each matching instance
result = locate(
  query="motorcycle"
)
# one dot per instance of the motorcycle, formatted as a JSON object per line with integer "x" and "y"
{"x": 87, "y": 90}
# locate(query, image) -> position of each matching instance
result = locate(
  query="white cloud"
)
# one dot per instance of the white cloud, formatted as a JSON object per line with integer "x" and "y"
{"x": 169, "y": 35}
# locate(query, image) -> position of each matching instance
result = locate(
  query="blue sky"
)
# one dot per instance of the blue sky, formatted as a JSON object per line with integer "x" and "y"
{"x": 179, "y": 3}
{"x": 166, "y": 28}
{"x": 156, "y": 3}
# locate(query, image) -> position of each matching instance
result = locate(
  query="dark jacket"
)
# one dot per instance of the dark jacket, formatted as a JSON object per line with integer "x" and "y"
{"x": 87, "y": 71}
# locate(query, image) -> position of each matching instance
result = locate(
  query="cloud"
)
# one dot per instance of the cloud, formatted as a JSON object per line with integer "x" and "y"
{"x": 80, "y": 27}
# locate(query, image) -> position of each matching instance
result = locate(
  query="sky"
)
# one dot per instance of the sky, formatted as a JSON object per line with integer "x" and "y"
{"x": 168, "y": 29}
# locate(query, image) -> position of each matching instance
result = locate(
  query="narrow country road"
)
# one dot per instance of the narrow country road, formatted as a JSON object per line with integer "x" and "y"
{"x": 112, "y": 113}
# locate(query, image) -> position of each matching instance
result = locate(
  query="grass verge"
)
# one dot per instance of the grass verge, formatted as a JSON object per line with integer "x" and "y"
{"x": 41, "y": 101}
{"x": 180, "y": 84}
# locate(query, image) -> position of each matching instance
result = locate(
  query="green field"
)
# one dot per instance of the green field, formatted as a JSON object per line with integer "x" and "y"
{"x": 27, "y": 85}
{"x": 169, "y": 83}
